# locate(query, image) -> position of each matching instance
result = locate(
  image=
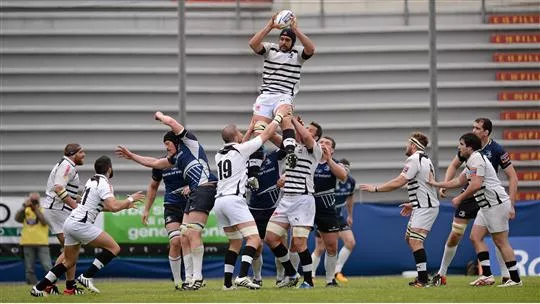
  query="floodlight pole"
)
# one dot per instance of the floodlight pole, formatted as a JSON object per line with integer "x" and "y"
{"x": 434, "y": 131}
{"x": 182, "y": 96}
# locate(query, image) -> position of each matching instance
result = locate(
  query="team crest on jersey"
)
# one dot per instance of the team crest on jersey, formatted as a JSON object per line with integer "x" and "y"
{"x": 405, "y": 169}
{"x": 472, "y": 171}
{"x": 488, "y": 154}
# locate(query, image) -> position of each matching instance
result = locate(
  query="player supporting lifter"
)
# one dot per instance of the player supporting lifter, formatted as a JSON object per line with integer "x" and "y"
{"x": 281, "y": 79}
{"x": 231, "y": 207}
{"x": 467, "y": 210}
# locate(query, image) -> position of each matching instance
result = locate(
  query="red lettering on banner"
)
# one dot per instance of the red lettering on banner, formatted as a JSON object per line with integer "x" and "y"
{"x": 526, "y": 155}
{"x": 520, "y": 115}
{"x": 521, "y": 135}
{"x": 528, "y": 196}
{"x": 515, "y": 38}
{"x": 516, "y": 57}
{"x": 518, "y": 76}
{"x": 528, "y": 176}
{"x": 518, "y": 96}
{"x": 514, "y": 19}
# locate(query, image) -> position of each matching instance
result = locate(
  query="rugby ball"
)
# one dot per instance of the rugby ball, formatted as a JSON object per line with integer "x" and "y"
{"x": 284, "y": 19}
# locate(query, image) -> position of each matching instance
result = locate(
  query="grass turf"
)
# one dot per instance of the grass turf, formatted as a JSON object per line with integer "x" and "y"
{"x": 359, "y": 289}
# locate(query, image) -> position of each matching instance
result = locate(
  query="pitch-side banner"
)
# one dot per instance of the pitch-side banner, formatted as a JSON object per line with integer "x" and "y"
{"x": 126, "y": 226}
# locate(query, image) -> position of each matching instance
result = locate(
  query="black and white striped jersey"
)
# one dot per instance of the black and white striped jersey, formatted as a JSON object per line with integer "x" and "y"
{"x": 299, "y": 181}
{"x": 96, "y": 190}
{"x": 492, "y": 192}
{"x": 417, "y": 170}
{"x": 63, "y": 173}
{"x": 281, "y": 70}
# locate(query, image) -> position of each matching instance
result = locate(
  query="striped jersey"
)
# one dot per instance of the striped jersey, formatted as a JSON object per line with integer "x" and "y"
{"x": 325, "y": 186}
{"x": 417, "y": 170}
{"x": 231, "y": 162}
{"x": 266, "y": 197}
{"x": 281, "y": 70}
{"x": 63, "y": 173}
{"x": 299, "y": 181}
{"x": 174, "y": 184}
{"x": 96, "y": 190}
{"x": 491, "y": 192}
{"x": 191, "y": 160}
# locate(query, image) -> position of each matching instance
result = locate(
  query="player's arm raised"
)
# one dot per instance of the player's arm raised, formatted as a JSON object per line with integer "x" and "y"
{"x": 393, "y": 184}
{"x": 450, "y": 173}
{"x": 308, "y": 140}
{"x": 255, "y": 43}
{"x": 309, "y": 46}
{"x": 175, "y": 126}
{"x": 147, "y": 161}
{"x": 113, "y": 205}
{"x": 337, "y": 169}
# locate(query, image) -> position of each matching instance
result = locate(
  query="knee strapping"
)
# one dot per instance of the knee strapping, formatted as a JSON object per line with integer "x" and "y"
{"x": 250, "y": 230}
{"x": 416, "y": 235}
{"x": 276, "y": 229}
{"x": 259, "y": 127}
{"x": 195, "y": 226}
{"x": 459, "y": 228}
{"x": 174, "y": 233}
{"x": 234, "y": 235}
{"x": 301, "y": 232}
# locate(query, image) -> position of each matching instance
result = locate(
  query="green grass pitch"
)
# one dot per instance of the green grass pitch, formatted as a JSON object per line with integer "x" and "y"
{"x": 359, "y": 289}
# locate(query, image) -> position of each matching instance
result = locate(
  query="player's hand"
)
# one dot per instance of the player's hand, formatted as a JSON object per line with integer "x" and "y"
{"x": 367, "y": 188}
{"x": 349, "y": 221}
{"x": 299, "y": 119}
{"x": 123, "y": 152}
{"x": 294, "y": 24}
{"x": 158, "y": 115}
{"x": 512, "y": 213}
{"x": 281, "y": 182}
{"x": 456, "y": 201}
{"x": 406, "y": 209}
{"x": 186, "y": 191}
{"x": 145, "y": 217}
{"x": 272, "y": 24}
{"x": 326, "y": 154}
{"x": 442, "y": 192}
{"x": 137, "y": 196}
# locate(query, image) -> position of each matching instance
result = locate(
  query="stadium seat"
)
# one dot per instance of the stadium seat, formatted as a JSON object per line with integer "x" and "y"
{"x": 515, "y": 38}
{"x": 524, "y": 155}
{"x": 518, "y": 76}
{"x": 516, "y": 57}
{"x": 520, "y": 115}
{"x": 521, "y": 134}
{"x": 528, "y": 175}
{"x": 514, "y": 19}
{"x": 519, "y": 96}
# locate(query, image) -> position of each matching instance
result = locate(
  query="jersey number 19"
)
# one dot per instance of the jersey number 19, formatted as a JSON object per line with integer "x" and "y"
{"x": 225, "y": 169}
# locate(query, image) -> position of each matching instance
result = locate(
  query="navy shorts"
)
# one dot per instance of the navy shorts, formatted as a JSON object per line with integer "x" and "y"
{"x": 201, "y": 199}
{"x": 174, "y": 213}
{"x": 467, "y": 209}
{"x": 262, "y": 217}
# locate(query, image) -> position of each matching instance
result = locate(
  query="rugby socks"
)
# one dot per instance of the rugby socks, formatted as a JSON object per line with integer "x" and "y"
{"x": 230, "y": 260}
{"x": 305, "y": 260}
{"x": 280, "y": 270}
{"x": 502, "y": 265}
{"x": 102, "y": 259}
{"x": 70, "y": 284}
{"x": 315, "y": 262}
{"x": 255, "y": 162}
{"x": 282, "y": 254}
{"x": 257, "y": 268}
{"x": 295, "y": 260}
{"x": 513, "y": 271}
{"x": 188, "y": 265}
{"x": 176, "y": 265}
{"x": 448, "y": 256}
{"x": 197, "y": 256}
{"x": 330, "y": 266}
{"x": 421, "y": 265}
{"x": 483, "y": 257}
{"x": 343, "y": 256}
{"x": 247, "y": 259}
{"x": 289, "y": 141}
{"x": 51, "y": 276}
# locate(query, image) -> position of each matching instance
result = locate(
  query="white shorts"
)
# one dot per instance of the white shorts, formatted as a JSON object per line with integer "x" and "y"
{"x": 296, "y": 210}
{"x": 266, "y": 104}
{"x": 423, "y": 218}
{"x": 80, "y": 233}
{"x": 495, "y": 218}
{"x": 56, "y": 219}
{"x": 232, "y": 210}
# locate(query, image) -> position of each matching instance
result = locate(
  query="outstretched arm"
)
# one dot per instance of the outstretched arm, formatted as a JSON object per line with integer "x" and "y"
{"x": 147, "y": 161}
{"x": 175, "y": 126}
{"x": 307, "y": 139}
{"x": 459, "y": 181}
{"x": 309, "y": 46}
{"x": 113, "y": 205}
{"x": 393, "y": 184}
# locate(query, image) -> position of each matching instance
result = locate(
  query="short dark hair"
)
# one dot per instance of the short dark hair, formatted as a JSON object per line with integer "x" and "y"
{"x": 486, "y": 124}
{"x": 102, "y": 165}
{"x": 319, "y": 129}
{"x": 471, "y": 140}
{"x": 332, "y": 140}
{"x": 345, "y": 161}
{"x": 72, "y": 149}
{"x": 421, "y": 137}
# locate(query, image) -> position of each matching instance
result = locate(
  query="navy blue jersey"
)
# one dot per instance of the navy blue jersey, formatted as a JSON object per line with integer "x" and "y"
{"x": 192, "y": 161}
{"x": 325, "y": 186}
{"x": 343, "y": 191}
{"x": 174, "y": 182}
{"x": 266, "y": 196}
{"x": 496, "y": 155}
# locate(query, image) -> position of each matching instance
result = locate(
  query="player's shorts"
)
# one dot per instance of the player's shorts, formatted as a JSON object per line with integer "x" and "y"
{"x": 467, "y": 209}
{"x": 343, "y": 226}
{"x": 201, "y": 199}
{"x": 56, "y": 219}
{"x": 296, "y": 210}
{"x": 76, "y": 233}
{"x": 423, "y": 218}
{"x": 266, "y": 104}
{"x": 262, "y": 217}
{"x": 494, "y": 218}
{"x": 326, "y": 219}
{"x": 232, "y": 210}
{"x": 173, "y": 213}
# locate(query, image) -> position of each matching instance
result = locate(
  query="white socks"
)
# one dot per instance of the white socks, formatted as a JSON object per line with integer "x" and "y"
{"x": 316, "y": 260}
{"x": 448, "y": 256}
{"x": 188, "y": 264}
{"x": 295, "y": 259}
{"x": 257, "y": 268}
{"x": 343, "y": 256}
{"x": 176, "y": 265}
{"x": 502, "y": 265}
{"x": 330, "y": 266}
{"x": 197, "y": 256}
